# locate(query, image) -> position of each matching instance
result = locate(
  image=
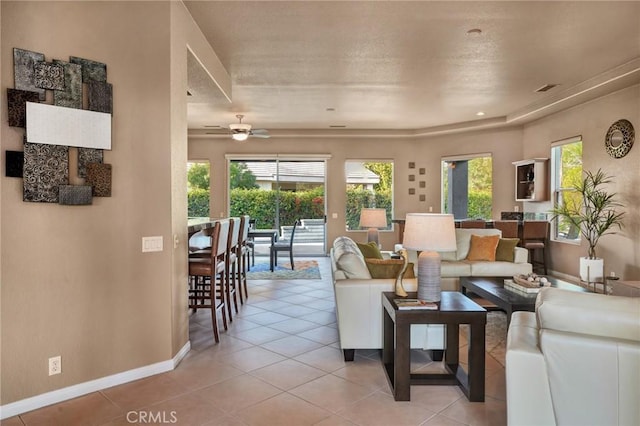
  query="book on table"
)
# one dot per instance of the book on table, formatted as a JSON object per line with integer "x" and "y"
{"x": 405, "y": 304}
{"x": 530, "y": 288}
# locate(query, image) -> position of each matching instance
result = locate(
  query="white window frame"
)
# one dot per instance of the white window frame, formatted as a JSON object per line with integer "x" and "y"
{"x": 556, "y": 189}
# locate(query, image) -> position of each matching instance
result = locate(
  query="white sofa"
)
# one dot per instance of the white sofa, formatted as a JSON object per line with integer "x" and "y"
{"x": 358, "y": 296}
{"x": 454, "y": 264}
{"x": 574, "y": 361}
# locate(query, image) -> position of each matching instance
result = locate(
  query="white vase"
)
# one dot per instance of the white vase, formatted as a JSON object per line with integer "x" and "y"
{"x": 591, "y": 270}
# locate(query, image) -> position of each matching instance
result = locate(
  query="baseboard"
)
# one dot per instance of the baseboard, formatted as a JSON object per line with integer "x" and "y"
{"x": 59, "y": 395}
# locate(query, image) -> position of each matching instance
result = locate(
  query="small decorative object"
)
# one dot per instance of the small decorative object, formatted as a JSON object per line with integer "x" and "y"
{"x": 100, "y": 96}
{"x": 373, "y": 219}
{"x": 399, "y": 288}
{"x": 24, "y": 62}
{"x": 412, "y": 165}
{"x": 99, "y": 177}
{"x": 91, "y": 70}
{"x": 71, "y": 96}
{"x": 48, "y": 76}
{"x": 75, "y": 195}
{"x": 45, "y": 168}
{"x": 619, "y": 138}
{"x": 422, "y": 184}
{"x": 412, "y": 178}
{"x": 422, "y": 170}
{"x": 423, "y": 197}
{"x": 14, "y": 161}
{"x": 17, "y": 106}
{"x": 412, "y": 191}
{"x": 595, "y": 216}
{"x": 429, "y": 233}
{"x": 86, "y": 156}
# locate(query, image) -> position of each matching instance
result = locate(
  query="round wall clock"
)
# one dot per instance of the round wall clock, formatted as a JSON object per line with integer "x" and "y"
{"x": 619, "y": 139}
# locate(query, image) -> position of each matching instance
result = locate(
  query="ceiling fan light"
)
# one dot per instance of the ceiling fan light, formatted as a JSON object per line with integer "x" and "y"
{"x": 240, "y": 137}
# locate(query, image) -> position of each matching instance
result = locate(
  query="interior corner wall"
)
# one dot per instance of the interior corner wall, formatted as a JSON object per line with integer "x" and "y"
{"x": 591, "y": 120}
{"x": 504, "y": 145}
{"x": 74, "y": 280}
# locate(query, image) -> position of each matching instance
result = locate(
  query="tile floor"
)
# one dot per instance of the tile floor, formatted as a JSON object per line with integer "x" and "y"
{"x": 278, "y": 364}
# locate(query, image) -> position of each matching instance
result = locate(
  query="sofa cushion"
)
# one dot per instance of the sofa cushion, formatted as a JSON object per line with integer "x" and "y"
{"x": 463, "y": 241}
{"x": 349, "y": 259}
{"x": 388, "y": 268}
{"x": 455, "y": 269}
{"x": 370, "y": 250}
{"x": 506, "y": 249}
{"x": 483, "y": 248}
{"x": 498, "y": 269}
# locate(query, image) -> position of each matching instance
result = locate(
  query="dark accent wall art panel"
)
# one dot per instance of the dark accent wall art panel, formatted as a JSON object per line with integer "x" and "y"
{"x": 17, "y": 106}
{"x": 86, "y": 156}
{"x": 100, "y": 96}
{"x": 71, "y": 95}
{"x": 14, "y": 161}
{"x": 99, "y": 177}
{"x": 91, "y": 70}
{"x": 48, "y": 76}
{"x": 75, "y": 195}
{"x": 46, "y": 167}
{"x": 24, "y": 62}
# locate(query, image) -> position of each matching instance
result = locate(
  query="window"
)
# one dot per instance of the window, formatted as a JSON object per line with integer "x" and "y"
{"x": 566, "y": 172}
{"x": 198, "y": 189}
{"x": 467, "y": 186}
{"x": 369, "y": 185}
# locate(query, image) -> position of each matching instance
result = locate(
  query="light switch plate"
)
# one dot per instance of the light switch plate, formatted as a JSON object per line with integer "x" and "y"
{"x": 150, "y": 244}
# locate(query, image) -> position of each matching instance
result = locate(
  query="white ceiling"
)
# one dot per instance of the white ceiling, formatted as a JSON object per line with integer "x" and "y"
{"x": 408, "y": 67}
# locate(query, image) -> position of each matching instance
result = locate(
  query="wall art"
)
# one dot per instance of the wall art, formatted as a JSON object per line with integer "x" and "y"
{"x": 412, "y": 191}
{"x": 423, "y": 197}
{"x": 422, "y": 184}
{"x": 412, "y": 178}
{"x": 86, "y": 156}
{"x": 54, "y": 125}
{"x": 17, "y": 106}
{"x": 619, "y": 139}
{"x": 24, "y": 62}
{"x": 91, "y": 70}
{"x": 100, "y": 96}
{"x": 412, "y": 165}
{"x": 46, "y": 167}
{"x": 422, "y": 170}
{"x": 75, "y": 195}
{"x": 71, "y": 95}
{"x": 14, "y": 161}
{"x": 48, "y": 76}
{"x": 99, "y": 177}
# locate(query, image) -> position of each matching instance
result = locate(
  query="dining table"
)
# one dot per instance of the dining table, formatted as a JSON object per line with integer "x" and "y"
{"x": 272, "y": 234}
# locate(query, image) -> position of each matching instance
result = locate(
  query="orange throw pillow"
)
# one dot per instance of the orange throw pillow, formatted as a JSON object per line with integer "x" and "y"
{"x": 483, "y": 248}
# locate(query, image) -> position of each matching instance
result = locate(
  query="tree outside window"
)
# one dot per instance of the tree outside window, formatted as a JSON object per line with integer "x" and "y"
{"x": 566, "y": 159}
{"x": 369, "y": 185}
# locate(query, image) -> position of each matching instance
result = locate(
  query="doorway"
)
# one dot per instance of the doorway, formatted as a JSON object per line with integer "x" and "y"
{"x": 277, "y": 191}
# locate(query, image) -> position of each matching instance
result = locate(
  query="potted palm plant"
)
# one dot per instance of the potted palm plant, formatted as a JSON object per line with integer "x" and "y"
{"x": 594, "y": 213}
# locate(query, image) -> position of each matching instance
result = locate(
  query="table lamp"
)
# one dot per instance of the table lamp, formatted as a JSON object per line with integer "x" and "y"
{"x": 373, "y": 219}
{"x": 429, "y": 233}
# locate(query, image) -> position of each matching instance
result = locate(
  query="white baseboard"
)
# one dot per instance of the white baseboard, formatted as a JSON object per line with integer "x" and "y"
{"x": 59, "y": 395}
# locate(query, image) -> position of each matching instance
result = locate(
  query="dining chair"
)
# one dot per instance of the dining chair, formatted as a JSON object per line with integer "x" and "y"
{"x": 243, "y": 258}
{"x": 509, "y": 228}
{"x": 251, "y": 244}
{"x": 535, "y": 235}
{"x": 473, "y": 223}
{"x": 231, "y": 265}
{"x": 285, "y": 245}
{"x": 205, "y": 272}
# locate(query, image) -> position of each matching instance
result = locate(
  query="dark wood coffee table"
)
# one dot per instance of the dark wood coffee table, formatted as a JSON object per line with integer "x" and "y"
{"x": 492, "y": 289}
{"x": 454, "y": 309}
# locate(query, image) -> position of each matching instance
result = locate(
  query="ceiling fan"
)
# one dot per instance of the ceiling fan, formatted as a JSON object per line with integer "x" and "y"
{"x": 241, "y": 131}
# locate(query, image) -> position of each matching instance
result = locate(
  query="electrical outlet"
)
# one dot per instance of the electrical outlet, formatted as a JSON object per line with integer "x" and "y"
{"x": 55, "y": 365}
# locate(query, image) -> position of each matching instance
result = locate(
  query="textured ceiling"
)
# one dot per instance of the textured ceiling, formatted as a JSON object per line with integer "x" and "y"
{"x": 406, "y": 66}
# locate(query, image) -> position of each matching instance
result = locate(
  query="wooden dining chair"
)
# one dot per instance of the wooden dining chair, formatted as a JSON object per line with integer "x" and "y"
{"x": 473, "y": 223}
{"x": 206, "y": 272}
{"x": 231, "y": 264}
{"x": 285, "y": 245}
{"x": 535, "y": 235}
{"x": 244, "y": 257}
{"x": 509, "y": 228}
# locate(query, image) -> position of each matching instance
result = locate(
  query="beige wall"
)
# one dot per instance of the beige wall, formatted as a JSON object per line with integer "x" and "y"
{"x": 621, "y": 252}
{"x": 504, "y": 145}
{"x": 74, "y": 280}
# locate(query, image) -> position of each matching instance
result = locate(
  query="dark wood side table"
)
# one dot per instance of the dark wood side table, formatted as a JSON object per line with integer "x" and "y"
{"x": 455, "y": 309}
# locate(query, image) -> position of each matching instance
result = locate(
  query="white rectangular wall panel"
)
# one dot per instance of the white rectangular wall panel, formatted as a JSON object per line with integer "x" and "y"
{"x": 54, "y": 125}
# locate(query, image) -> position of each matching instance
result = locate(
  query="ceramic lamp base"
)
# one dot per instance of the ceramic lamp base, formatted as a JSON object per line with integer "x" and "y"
{"x": 429, "y": 276}
{"x": 372, "y": 235}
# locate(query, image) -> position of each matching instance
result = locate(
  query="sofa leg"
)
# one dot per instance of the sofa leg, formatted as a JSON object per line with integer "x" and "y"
{"x": 437, "y": 354}
{"x": 349, "y": 354}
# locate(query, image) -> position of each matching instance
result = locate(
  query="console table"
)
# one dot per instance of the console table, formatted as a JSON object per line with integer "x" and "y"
{"x": 454, "y": 309}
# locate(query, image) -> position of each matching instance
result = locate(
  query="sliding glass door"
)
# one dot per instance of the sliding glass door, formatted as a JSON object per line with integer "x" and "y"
{"x": 278, "y": 191}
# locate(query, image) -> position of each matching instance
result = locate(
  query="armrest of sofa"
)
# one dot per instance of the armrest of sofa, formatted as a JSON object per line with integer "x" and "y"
{"x": 528, "y": 393}
{"x": 520, "y": 255}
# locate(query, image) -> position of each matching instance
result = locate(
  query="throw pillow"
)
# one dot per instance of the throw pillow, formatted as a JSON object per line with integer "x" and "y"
{"x": 505, "y": 250}
{"x": 388, "y": 268}
{"x": 483, "y": 248}
{"x": 370, "y": 250}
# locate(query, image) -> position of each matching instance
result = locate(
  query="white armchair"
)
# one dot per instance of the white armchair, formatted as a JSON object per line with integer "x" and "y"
{"x": 575, "y": 361}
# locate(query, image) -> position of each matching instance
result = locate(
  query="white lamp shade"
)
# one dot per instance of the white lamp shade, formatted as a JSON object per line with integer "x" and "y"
{"x": 373, "y": 218}
{"x": 430, "y": 232}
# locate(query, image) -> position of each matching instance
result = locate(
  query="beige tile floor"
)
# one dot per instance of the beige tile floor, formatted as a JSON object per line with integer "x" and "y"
{"x": 278, "y": 364}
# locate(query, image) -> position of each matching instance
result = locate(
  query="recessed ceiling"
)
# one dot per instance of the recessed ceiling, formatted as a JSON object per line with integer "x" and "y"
{"x": 407, "y": 66}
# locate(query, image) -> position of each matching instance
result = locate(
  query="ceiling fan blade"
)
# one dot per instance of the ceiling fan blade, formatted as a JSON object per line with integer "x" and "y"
{"x": 260, "y": 133}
